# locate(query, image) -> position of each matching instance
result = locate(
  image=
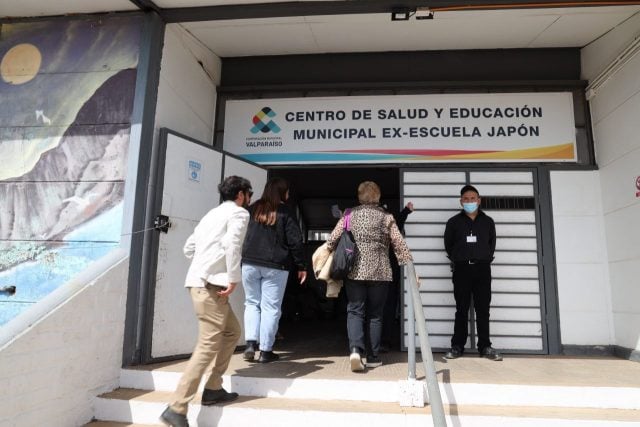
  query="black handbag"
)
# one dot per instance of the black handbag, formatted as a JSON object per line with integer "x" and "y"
{"x": 346, "y": 252}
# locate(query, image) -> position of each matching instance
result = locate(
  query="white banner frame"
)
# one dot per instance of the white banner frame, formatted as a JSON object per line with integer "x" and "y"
{"x": 497, "y": 127}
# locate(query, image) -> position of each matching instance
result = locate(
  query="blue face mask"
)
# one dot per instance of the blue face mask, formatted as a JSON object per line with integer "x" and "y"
{"x": 470, "y": 207}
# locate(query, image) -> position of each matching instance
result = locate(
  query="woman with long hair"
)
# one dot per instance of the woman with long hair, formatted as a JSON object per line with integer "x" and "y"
{"x": 272, "y": 246}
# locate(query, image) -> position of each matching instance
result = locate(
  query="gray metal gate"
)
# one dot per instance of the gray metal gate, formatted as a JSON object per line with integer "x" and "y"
{"x": 517, "y": 304}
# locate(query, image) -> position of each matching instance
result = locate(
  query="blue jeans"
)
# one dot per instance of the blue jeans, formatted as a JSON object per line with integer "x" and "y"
{"x": 264, "y": 290}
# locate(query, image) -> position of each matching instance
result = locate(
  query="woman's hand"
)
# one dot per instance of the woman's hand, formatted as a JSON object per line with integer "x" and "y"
{"x": 302, "y": 276}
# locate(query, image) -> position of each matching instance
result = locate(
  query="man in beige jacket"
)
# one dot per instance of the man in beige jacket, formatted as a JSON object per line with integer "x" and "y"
{"x": 215, "y": 248}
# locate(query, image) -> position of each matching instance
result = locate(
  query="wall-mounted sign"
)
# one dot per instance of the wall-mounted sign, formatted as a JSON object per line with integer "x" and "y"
{"x": 513, "y": 127}
{"x": 194, "y": 170}
{"x": 638, "y": 186}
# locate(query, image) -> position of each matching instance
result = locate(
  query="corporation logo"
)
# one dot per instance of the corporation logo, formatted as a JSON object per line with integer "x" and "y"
{"x": 262, "y": 123}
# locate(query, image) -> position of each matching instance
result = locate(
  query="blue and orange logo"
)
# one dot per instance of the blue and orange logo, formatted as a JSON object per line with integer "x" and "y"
{"x": 262, "y": 125}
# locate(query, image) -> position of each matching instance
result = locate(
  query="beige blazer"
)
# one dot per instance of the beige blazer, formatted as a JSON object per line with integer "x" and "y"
{"x": 321, "y": 261}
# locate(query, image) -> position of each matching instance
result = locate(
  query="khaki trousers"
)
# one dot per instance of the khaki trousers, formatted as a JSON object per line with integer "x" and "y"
{"x": 218, "y": 333}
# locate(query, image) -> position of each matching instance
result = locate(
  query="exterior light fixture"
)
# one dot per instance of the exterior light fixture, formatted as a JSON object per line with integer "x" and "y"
{"x": 424, "y": 13}
{"x": 401, "y": 13}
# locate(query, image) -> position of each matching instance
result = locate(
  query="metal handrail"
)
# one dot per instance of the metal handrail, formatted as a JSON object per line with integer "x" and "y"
{"x": 415, "y": 305}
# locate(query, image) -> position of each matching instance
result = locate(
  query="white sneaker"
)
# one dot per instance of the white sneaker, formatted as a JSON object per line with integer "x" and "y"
{"x": 356, "y": 362}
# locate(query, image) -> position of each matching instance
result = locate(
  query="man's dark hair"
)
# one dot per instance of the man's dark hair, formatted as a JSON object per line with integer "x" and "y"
{"x": 231, "y": 185}
{"x": 469, "y": 188}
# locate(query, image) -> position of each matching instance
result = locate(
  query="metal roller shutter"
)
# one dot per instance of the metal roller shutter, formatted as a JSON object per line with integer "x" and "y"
{"x": 509, "y": 197}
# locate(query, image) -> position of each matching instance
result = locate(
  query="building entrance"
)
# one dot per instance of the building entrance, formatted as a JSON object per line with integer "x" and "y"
{"x": 317, "y": 195}
{"x": 509, "y": 197}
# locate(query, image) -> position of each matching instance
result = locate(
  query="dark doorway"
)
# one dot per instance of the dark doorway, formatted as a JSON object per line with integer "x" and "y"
{"x": 315, "y": 192}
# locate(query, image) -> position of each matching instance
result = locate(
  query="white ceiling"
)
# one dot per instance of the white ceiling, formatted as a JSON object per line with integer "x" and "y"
{"x": 498, "y": 29}
{"x": 502, "y": 29}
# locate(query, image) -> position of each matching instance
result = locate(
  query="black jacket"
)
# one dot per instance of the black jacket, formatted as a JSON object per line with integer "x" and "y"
{"x": 401, "y": 218}
{"x": 275, "y": 246}
{"x": 455, "y": 238}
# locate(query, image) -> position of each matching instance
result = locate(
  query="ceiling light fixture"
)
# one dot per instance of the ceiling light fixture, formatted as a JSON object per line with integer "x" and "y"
{"x": 424, "y": 13}
{"x": 402, "y": 13}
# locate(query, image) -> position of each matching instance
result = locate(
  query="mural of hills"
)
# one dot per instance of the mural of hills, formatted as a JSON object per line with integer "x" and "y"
{"x": 77, "y": 180}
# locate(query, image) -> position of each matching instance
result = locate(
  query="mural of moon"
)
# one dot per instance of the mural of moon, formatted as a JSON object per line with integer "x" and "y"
{"x": 20, "y": 64}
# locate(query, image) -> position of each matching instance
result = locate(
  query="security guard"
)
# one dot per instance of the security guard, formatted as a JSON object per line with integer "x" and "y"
{"x": 470, "y": 241}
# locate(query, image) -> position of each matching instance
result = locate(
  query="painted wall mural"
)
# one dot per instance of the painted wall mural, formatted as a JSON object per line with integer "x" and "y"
{"x": 66, "y": 97}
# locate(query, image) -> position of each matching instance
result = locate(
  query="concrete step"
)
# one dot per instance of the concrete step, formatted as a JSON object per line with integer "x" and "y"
{"x": 143, "y": 407}
{"x": 363, "y": 388}
{"x": 116, "y": 424}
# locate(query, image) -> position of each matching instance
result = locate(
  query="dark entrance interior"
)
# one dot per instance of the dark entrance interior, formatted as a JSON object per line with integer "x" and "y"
{"x": 308, "y": 317}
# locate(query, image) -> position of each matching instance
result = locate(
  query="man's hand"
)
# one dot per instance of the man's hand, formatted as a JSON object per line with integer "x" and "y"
{"x": 227, "y": 291}
{"x": 302, "y": 276}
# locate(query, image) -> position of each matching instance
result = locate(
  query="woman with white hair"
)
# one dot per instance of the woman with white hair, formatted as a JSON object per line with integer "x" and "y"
{"x": 373, "y": 229}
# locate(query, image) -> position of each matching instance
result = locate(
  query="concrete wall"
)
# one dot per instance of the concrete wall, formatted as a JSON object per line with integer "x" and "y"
{"x": 52, "y": 372}
{"x": 615, "y": 111}
{"x": 186, "y": 104}
{"x": 581, "y": 257}
{"x": 187, "y": 91}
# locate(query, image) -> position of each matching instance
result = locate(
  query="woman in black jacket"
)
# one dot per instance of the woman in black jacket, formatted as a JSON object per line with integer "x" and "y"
{"x": 272, "y": 244}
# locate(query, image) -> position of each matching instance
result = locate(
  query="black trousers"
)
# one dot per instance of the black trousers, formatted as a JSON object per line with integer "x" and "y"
{"x": 365, "y": 306}
{"x": 471, "y": 280}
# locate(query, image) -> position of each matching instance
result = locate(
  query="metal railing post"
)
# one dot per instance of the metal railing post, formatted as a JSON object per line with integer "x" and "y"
{"x": 433, "y": 390}
{"x": 411, "y": 329}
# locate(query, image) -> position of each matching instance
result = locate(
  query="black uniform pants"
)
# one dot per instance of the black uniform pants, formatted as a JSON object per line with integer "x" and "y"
{"x": 471, "y": 280}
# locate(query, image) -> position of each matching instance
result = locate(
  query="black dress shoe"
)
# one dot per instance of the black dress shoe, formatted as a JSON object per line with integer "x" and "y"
{"x": 250, "y": 351}
{"x": 173, "y": 419}
{"x": 453, "y": 353}
{"x": 211, "y": 397}
{"x": 491, "y": 354}
{"x": 268, "y": 356}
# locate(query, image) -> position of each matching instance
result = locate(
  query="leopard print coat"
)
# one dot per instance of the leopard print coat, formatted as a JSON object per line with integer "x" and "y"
{"x": 373, "y": 229}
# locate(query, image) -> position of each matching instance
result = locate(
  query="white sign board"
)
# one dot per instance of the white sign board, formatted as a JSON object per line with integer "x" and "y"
{"x": 511, "y": 127}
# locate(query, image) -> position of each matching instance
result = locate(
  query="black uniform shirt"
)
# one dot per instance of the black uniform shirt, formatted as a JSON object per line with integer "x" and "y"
{"x": 459, "y": 227}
